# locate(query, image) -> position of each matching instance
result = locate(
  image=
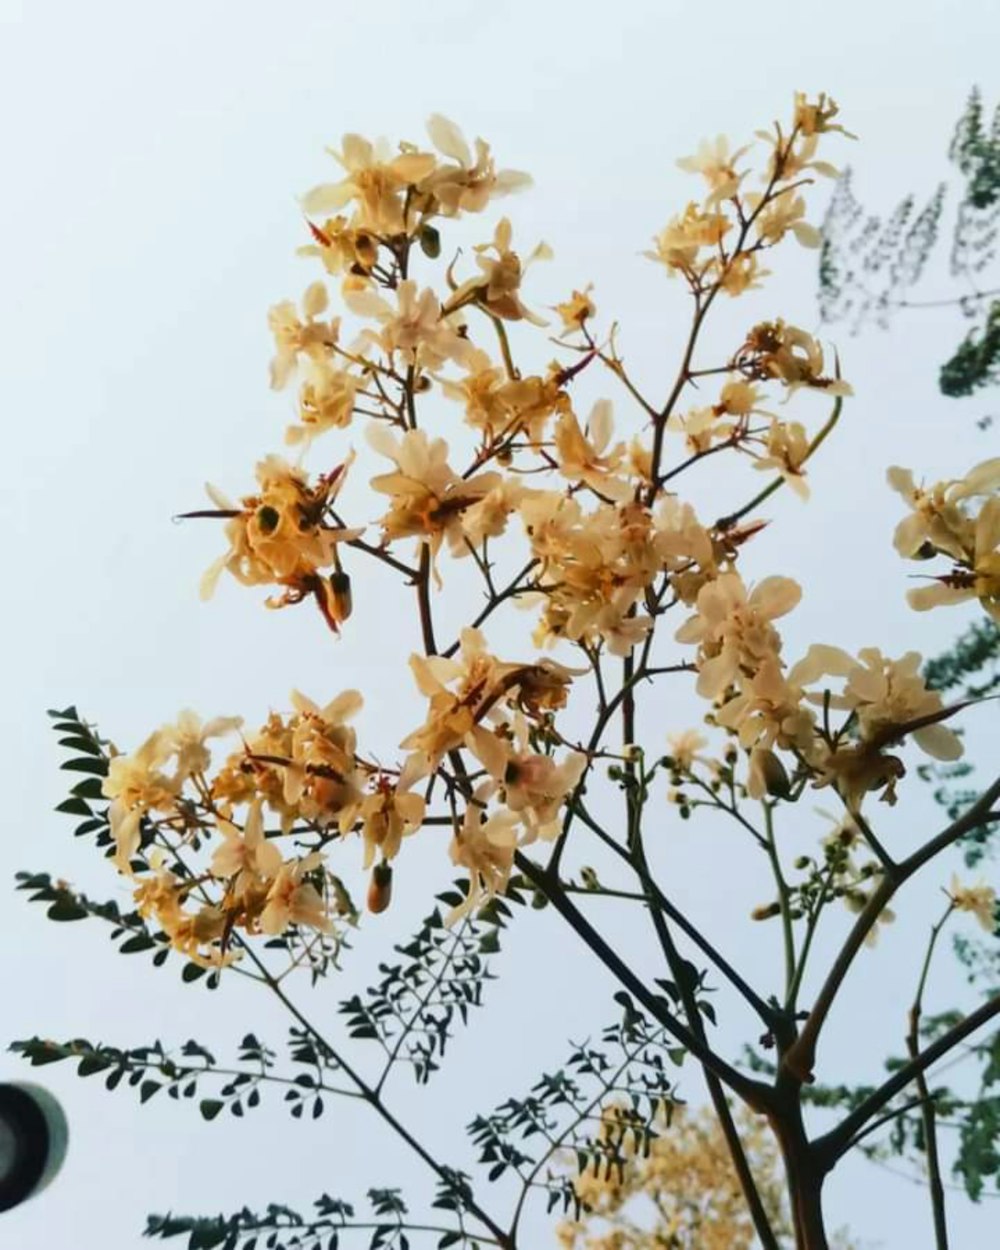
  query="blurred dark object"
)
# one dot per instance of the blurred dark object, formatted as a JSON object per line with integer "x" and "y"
{"x": 33, "y": 1139}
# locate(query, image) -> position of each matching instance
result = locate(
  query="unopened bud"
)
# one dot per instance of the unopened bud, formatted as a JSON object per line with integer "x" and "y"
{"x": 767, "y": 912}
{"x": 341, "y": 602}
{"x": 767, "y": 775}
{"x": 380, "y": 888}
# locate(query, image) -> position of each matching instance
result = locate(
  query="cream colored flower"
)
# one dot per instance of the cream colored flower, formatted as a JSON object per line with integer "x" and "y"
{"x": 428, "y": 498}
{"x": 978, "y": 577}
{"x": 246, "y": 858}
{"x": 776, "y": 350}
{"x": 783, "y": 213}
{"x": 484, "y": 845}
{"x": 293, "y": 900}
{"x": 186, "y": 739}
{"x": 885, "y": 695}
{"x": 717, "y": 165}
{"x": 326, "y": 402}
{"x": 280, "y": 535}
{"x": 388, "y": 815}
{"x": 460, "y": 692}
{"x": 787, "y": 450}
{"x": 685, "y": 750}
{"x": 733, "y": 629}
{"x": 585, "y": 456}
{"x": 415, "y": 329}
{"x": 294, "y": 337}
{"x": 375, "y": 183}
{"x": 678, "y": 244}
{"x": 467, "y": 185}
{"x": 498, "y": 290}
{"x": 578, "y": 309}
{"x": 979, "y": 899}
{"x": 136, "y": 784}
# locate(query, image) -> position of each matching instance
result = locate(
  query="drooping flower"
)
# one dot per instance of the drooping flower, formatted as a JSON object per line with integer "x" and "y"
{"x": 979, "y": 899}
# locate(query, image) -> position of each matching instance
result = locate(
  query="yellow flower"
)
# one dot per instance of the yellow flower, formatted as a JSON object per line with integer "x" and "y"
{"x": 186, "y": 738}
{"x": 280, "y": 535}
{"x": 246, "y": 858}
{"x": 768, "y": 710}
{"x": 326, "y": 402}
{"x": 136, "y": 784}
{"x": 885, "y": 695}
{"x": 679, "y": 242}
{"x": 291, "y": 900}
{"x": 936, "y": 516}
{"x": 787, "y": 450}
{"x": 416, "y": 329}
{"x": 293, "y": 337}
{"x": 498, "y": 289}
{"x": 733, "y": 629}
{"x": 375, "y": 183}
{"x": 480, "y": 680}
{"x": 685, "y": 749}
{"x": 979, "y": 899}
{"x": 576, "y": 310}
{"x": 467, "y": 185}
{"x": 978, "y": 577}
{"x": 776, "y": 350}
{"x": 785, "y": 212}
{"x": 388, "y": 815}
{"x": 815, "y": 117}
{"x": 586, "y": 457}
{"x": 484, "y": 845}
{"x": 428, "y": 498}
{"x": 322, "y": 778}
{"x": 716, "y": 164}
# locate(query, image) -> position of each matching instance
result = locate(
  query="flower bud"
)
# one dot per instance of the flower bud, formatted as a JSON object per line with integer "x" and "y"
{"x": 380, "y": 888}
{"x": 341, "y": 602}
{"x": 766, "y": 912}
{"x": 767, "y": 775}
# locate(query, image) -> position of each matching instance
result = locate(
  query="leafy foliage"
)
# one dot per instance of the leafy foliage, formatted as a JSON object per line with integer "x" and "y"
{"x": 412, "y": 1011}
{"x": 562, "y": 1111}
{"x": 183, "y": 1075}
{"x": 89, "y": 758}
{"x": 868, "y": 266}
{"x": 970, "y": 666}
{"x": 281, "y": 1228}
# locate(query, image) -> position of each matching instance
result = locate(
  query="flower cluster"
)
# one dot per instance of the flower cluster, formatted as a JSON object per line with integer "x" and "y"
{"x": 609, "y": 549}
{"x": 960, "y": 520}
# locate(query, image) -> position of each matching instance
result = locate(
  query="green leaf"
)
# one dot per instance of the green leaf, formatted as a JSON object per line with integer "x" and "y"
{"x": 147, "y": 1089}
{"x": 90, "y": 1064}
{"x": 89, "y": 789}
{"x": 210, "y": 1107}
{"x": 98, "y": 766}
{"x": 87, "y": 745}
{"x": 192, "y": 972}
{"x": 74, "y": 807}
{"x": 67, "y": 909}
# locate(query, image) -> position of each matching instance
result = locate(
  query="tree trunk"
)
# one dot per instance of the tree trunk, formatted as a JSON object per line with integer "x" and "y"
{"x": 805, "y": 1180}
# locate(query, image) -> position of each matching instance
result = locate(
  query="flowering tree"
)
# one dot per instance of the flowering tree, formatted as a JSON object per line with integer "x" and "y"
{"x": 245, "y": 864}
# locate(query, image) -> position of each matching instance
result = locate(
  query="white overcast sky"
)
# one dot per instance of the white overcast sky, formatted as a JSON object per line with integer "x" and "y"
{"x": 153, "y": 154}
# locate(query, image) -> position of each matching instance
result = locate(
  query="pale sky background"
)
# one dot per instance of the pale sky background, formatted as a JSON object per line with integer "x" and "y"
{"x": 153, "y": 158}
